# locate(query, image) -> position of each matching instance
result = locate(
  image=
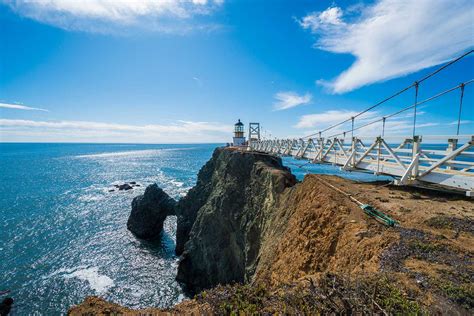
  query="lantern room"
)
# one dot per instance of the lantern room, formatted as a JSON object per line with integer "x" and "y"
{"x": 239, "y": 129}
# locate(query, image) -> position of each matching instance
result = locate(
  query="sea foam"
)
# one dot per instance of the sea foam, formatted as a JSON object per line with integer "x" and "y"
{"x": 98, "y": 282}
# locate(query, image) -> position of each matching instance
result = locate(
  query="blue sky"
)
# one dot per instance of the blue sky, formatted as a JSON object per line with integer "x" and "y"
{"x": 185, "y": 71}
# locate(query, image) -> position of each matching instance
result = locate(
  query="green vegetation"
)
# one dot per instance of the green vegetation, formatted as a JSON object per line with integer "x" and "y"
{"x": 424, "y": 246}
{"x": 330, "y": 295}
{"x": 453, "y": 223}
{"x": 394, "y": 301}
{"x": 441, "y": 222}
{"x": 245, "y": 300}
{"x": 463, "y": 294}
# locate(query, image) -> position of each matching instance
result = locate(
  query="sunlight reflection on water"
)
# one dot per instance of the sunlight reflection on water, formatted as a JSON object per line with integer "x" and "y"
{"x": 63, "y": 235}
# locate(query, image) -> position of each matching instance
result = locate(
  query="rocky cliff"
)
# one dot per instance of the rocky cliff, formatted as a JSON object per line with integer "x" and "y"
{"x": 226, "y": 215}
{"x": 249, "y": 222}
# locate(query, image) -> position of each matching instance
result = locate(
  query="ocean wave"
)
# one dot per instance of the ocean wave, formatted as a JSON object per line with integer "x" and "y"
{"x": 100, "y": 283}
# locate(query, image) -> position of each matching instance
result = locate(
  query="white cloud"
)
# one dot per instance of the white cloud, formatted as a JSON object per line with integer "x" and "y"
{"x": 394, "y": 126}
{"x": 20, "y": 107}
{"x": 325, "y": 119}
{"x": 289, "y": 99}
{"x": 321, "y": 20}
{"x": 105, "y": 16}
{"x": 461, "y": 122}
{"x": 393, "y": 38}
{"x": 85, "y": 131}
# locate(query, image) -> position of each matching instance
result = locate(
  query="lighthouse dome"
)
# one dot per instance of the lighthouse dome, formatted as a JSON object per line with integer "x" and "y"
{"x": 239, "y": 123}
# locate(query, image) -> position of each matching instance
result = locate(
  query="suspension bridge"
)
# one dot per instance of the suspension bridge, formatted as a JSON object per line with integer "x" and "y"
{"x": 436, "y": 161}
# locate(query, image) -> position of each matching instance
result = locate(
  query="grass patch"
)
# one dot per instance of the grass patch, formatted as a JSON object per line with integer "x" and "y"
{"x": 245, "y": 300}
{"x": 424, "y": 246}
{"x": 329, "y": 295}
{"x": 462, "y": 294}
{"x": 394, "y": 301}
{"x": 440, "y": 222}
{"x": 453, "y": 223}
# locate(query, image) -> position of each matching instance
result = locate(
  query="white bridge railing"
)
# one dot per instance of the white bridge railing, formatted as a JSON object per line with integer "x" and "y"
{"x": 447, "y": 164}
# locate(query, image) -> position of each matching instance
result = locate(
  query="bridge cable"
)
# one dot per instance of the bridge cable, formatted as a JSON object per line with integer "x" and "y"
{"x": 368, "y": 209}
{"x": 408, "y": 107}
{"x": 414, "y": 110}
{"x": 460, "y": 107}
{"x": 383, "y": 126}
{"x": 352, "y": 131}
{"x": 395, "y": 94}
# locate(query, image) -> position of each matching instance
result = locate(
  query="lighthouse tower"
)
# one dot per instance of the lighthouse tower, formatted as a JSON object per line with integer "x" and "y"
{"x": 239, "y": 139}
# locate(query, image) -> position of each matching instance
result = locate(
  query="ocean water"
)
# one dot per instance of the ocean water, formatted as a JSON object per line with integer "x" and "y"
{"x": 63, "y": 235}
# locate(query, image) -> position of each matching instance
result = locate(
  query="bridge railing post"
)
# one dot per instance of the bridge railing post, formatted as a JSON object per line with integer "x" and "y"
{"x": 452, "y": 145}
{"x": 416, "y": 151}
{"x": 319, "y": 149}
{"x": 353, "y": 149}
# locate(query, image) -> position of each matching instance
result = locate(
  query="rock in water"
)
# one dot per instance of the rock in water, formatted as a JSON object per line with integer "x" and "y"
{"x": 149, "y": 211}
{"x": 6, "y": 306}
{"x": 125, "y": 187}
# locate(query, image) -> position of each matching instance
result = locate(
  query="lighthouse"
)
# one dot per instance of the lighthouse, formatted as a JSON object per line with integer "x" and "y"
{"x": 239, "y": 139}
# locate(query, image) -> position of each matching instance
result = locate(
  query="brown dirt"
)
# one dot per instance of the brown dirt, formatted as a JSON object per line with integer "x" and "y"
{"x": 430, "y": 252}
{"x": 325, "y": 232}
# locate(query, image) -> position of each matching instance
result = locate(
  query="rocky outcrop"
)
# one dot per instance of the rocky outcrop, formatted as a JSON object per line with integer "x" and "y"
{"x": 225, "y": 215}
{"x": 149, "y": 211}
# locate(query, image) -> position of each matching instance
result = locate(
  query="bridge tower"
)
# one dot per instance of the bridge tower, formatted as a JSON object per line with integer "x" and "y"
{"x": 239, "y": 138}
{"x": 254, "y": 133}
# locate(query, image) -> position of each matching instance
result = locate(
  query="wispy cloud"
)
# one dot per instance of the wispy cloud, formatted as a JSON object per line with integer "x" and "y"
{"x": 179, "y": 131}
{"x": 20, "y": 107}
{"x": 316, "y": 21}
{"x": 400, "y": 125}
{"x": 289, "y": 99}
{"x": 393, "y": 128}
{"x": 198, "y": 81}
{"x": 106, "y": 16}
{"x": 460, "y": 122}
{"x": 392, "y": 38}
{"x": 324, "y": 119}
